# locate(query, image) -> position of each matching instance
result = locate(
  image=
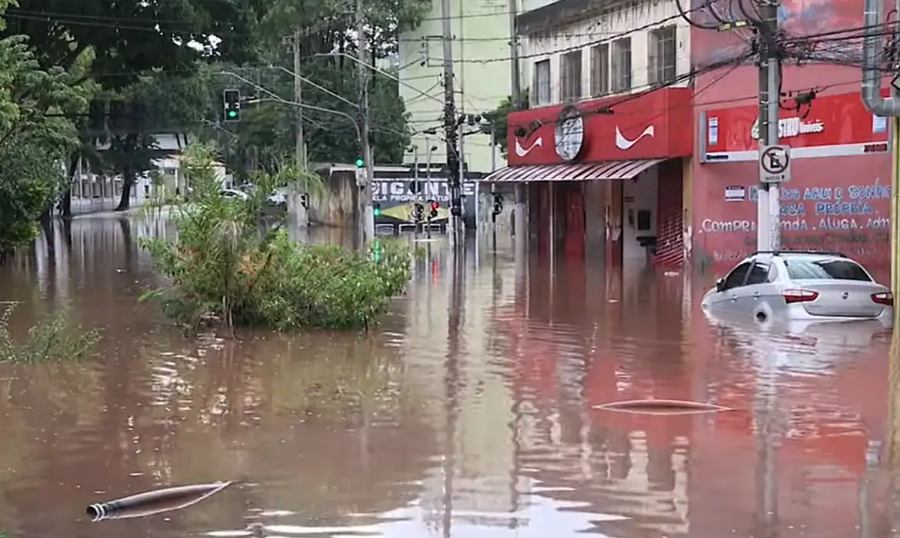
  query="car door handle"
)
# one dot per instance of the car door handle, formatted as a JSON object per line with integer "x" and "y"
{"x": 756, "y": 295}
{"x": 734, "y": 297}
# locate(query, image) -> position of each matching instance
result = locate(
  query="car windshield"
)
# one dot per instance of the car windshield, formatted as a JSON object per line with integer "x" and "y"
{"x": 825, "y": 269}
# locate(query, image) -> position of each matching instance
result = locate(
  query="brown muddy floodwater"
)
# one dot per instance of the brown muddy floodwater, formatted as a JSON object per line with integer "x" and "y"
{"x": 469, "y": 412}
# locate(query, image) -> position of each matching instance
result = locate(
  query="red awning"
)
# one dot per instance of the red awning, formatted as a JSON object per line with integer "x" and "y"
{"x": 608, "y": 170}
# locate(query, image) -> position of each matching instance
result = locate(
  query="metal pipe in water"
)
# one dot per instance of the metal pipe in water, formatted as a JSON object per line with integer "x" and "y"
{"x": 154, "y": 502}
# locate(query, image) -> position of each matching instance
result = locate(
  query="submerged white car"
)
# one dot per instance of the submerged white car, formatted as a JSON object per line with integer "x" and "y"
{"x": 791, "y": 285}
{"x": 234, "y": 194}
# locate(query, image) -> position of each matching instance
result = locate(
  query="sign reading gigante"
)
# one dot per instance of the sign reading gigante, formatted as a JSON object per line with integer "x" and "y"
{"x": 397, "y": 196}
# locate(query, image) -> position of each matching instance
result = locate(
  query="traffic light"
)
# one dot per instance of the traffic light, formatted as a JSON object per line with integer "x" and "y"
{"x": 434, "y": 209}
{"x": 498, "y": 205}
{"x": 418, "y": 212}
{"x": 232, "y": 100}
{"x": 360, "y": 163}
{"x": 376, "y": 209}
{"x": 455, "y": 208}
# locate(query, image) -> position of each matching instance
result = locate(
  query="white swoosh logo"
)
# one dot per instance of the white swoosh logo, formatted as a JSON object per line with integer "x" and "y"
{"x": 624, "y": 144}
{"x": 521, "y": 152}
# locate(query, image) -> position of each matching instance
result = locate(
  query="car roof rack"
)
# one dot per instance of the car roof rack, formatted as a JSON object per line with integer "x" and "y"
{"x": 780, "y": 252}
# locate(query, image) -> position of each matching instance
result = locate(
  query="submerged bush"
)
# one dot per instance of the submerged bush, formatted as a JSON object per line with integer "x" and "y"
{"x": 225, "y": 266}
{"x": 52, "y": 340}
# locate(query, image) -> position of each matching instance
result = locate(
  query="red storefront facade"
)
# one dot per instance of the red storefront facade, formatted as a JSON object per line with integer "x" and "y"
{"x": 838, "y": 198}
{"x": 605, "y": 176}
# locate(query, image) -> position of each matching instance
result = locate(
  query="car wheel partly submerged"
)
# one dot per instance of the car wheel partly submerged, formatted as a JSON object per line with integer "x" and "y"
{"x": 762, "y": 314}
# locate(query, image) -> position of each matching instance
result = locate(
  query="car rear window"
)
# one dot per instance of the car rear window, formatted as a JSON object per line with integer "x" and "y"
{"x": 826, "y": 270}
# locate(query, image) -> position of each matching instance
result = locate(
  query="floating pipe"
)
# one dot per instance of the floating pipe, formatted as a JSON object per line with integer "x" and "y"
{"x": 662, "y": 407}
{"x": 154, "y": 502}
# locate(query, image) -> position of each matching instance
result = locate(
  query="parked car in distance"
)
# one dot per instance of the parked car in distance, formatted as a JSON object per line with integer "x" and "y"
{"x": 792, "y": 285}
{"x": 277, "y": 198}
{"x": 234, "y": 194}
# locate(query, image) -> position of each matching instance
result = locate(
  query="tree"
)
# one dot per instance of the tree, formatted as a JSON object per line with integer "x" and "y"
{"x": 265, "y": 135}
{"x": 167, "y": 104}
{"x": 267, "y": 130}
{"x": 34, "y": 138}
{"x": 498, "y": 119}
{"x": 130, "y": 40}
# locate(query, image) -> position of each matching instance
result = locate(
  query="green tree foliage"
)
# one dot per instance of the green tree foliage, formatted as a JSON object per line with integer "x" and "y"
{"x": 224, "y": 267}
{"x": 33, "y": 144}
{"x": 328, "y": 25}
{"x": 130, "y": 39}
{"x": 267, "y": 131}
{"x": 265, "y": 134}
{"x": 172, "y": 103}
{"x": 499, "y": 121}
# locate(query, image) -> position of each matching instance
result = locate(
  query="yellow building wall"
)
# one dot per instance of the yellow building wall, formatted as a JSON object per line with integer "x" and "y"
{"x": 481, "y": 35}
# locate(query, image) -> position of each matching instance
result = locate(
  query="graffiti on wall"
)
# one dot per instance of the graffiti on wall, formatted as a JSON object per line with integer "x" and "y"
{"x": 851, "y": 219}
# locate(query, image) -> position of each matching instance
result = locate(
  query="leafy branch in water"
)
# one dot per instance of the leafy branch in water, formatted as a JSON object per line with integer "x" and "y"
{"x": 52, "y": 340}
{"x": 227, "y": 266}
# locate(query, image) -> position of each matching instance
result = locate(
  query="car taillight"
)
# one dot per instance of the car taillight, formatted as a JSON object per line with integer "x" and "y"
{"x": 799, "y": 296}
{"x": 886, "y": 298}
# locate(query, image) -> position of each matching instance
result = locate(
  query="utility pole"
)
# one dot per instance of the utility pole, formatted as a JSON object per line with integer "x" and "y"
{"x": 462, "y": 166}
{"x": 515, "y": 76}
{"x": 299, "y": 210}
{"x": 450, "y": 128}
{"x": 768, "y": 232}
{"x": 367, "y": 224}
{"x": 298, "y": 98}
{"x": 519, "y": 209}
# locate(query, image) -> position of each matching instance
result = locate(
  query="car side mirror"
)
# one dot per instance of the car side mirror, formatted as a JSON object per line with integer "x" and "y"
{"x": 720, "y": 284}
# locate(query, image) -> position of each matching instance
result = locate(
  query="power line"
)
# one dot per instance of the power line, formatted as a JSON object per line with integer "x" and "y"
{"x": 580, "y": 46}
{"x": 606, "y": 109}
{"x": 51, "y": 14}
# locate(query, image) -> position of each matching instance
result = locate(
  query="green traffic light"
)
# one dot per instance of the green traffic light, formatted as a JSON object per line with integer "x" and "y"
{"x": 377, "y": 211}
{"x": 360, "y": 163}
{"x": 232, "y": 113}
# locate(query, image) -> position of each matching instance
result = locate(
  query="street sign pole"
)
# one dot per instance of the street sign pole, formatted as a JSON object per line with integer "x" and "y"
{"x": 769, "y": 209}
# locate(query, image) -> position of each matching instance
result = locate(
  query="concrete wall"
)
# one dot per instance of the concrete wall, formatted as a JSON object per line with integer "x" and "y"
{"x": 482, "y": 72}
{"x": 337, "y": 206}
{"x": 592, "y": 30}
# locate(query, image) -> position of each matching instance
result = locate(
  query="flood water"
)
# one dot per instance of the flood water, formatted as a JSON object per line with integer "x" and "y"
{"x": 468, "y": 412}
